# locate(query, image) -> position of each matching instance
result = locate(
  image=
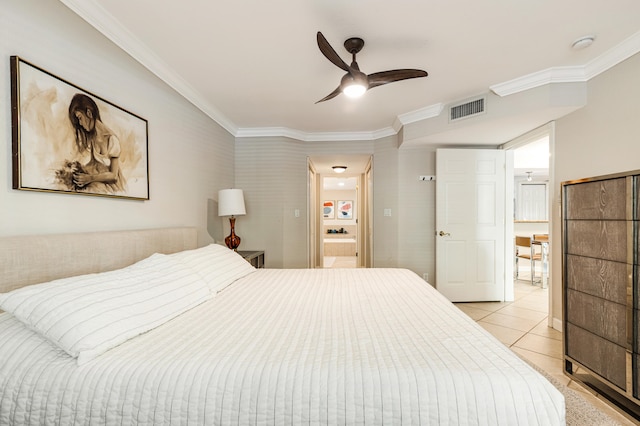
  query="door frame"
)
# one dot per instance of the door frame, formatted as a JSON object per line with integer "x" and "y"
{"x": 365, "y": 217}
{"x": 548, "y": 130}
{"x": 364, "y": 192}
{"x": 313, "y": 246}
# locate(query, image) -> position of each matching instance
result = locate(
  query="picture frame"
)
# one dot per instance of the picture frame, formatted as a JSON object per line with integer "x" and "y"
{"x": 329, "y": 209}
{"x": 345, "y": 209}
{"x": 66, "y": 139}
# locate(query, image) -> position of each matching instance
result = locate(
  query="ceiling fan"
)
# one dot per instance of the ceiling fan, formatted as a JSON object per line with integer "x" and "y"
{"x": 355, "y": 82}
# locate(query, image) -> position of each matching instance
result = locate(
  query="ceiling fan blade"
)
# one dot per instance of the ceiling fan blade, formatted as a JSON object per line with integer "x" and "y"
{"x": 331, "y": 95}
{"x": 329, "y": 53}
{"x": 384, "y": 77}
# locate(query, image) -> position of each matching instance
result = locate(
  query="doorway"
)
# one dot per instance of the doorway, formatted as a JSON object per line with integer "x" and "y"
{"x": 532, "y": 192}
{"x": 340, "y": 231}
{"x": 539, "y": 141}
{"x": 340, "y": 213}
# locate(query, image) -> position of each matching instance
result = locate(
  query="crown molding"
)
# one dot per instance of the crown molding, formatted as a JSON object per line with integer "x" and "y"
{"x": 96, "y": 16}
{"x": 624, "y": 50}
{"x": 540, "y": 78}
{"x": 609, "y": 59}
{"x": 259, "y": 132}
{"x": 418, "y": 115}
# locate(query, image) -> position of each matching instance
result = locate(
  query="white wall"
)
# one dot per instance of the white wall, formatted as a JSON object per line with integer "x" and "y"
{"x": 601, "y": 138}
{"x": 190, "y": 156}
{"x": 527, "y": 229}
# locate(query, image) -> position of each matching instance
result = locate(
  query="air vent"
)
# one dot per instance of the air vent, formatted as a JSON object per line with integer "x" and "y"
{"x": 467, "y": 109}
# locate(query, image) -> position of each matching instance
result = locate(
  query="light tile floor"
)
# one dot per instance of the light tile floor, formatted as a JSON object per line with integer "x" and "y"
{"x": 340, "y": 262}
{"x": 522, "y": 326}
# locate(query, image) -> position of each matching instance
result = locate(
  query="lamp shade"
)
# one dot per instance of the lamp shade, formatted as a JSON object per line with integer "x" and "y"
{"x": 231, "y": 202}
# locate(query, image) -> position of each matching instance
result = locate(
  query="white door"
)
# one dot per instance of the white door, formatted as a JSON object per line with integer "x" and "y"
{"x": 470, "y": 213}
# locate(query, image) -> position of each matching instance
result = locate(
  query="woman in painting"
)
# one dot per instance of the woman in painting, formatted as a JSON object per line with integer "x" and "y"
{"x": 95, "y": 141}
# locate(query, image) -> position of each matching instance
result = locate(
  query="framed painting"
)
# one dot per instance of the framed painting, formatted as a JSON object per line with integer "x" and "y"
{"x": 68, "y": 140}
{"x": 329, "y": 209}
{"x": 345, "y": 209}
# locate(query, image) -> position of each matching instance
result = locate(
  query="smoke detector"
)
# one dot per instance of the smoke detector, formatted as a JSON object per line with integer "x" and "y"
{"x": 583, "y": 42}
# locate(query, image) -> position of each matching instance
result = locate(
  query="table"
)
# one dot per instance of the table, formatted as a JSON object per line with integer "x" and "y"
{"x": 254, "y": 257}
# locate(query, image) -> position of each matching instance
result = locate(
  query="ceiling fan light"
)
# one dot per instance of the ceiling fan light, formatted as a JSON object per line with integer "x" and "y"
{"x": 354, "y": 90}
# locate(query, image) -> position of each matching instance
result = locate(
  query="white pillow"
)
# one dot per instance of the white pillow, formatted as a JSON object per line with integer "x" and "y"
{"x": 218, "y": 265}
{"x": 90, "y": 314}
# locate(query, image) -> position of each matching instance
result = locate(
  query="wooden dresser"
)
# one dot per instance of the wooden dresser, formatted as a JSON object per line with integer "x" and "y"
{"x": 600, "y": 285}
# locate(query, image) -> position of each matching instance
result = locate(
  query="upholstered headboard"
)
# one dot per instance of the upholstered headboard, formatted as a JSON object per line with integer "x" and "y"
{"x": 34, "y": 259}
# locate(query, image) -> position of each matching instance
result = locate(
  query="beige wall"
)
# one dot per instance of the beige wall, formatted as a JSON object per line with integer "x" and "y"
{"x": 601, "y": 138}
{"x": 336, "y": 195}
{"x": 272, "y": 172}
{"x": 190, "y": 156}
{"x": 416, "y": 211}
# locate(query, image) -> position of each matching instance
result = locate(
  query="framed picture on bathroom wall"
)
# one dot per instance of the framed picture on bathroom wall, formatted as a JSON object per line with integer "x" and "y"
{"x": 345, "y": 209}
{"x": 329, "y": 209}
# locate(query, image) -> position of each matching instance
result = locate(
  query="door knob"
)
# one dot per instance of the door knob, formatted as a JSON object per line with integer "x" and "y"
{"x": 444, "y": 234}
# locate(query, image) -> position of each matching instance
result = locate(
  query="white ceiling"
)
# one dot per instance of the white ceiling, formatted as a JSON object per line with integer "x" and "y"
{"x": 254, "y": 65}
{"x": 532, "y": 157}
{"x": 346, "y": 183}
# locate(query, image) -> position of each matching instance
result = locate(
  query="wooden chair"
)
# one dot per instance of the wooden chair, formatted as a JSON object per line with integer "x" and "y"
{"x": 541, "y": 237}
{"x": 525, "y": 250}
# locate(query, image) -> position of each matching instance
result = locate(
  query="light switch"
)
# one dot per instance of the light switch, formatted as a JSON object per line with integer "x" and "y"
{"x": 296, "y": 212}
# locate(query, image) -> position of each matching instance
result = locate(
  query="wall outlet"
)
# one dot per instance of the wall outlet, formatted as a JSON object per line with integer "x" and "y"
{"x": 425, "y": 276}
{"x": 427, "y": 178}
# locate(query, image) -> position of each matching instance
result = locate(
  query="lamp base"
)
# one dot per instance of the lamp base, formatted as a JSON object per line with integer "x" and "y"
{"x": 232, "y": 240}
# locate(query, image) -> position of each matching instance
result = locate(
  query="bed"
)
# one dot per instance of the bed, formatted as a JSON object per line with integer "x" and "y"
{"x": 182, "y": 335}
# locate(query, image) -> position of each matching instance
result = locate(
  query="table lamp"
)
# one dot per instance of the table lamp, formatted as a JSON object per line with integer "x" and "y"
{"x": 231, "y": 203}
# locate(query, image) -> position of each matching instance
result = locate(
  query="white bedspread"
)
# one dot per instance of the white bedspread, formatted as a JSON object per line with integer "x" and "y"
{"x": 287, "y": 347}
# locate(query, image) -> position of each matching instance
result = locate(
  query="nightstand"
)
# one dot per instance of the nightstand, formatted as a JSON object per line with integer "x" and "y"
{"x": 255, "y": 257}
